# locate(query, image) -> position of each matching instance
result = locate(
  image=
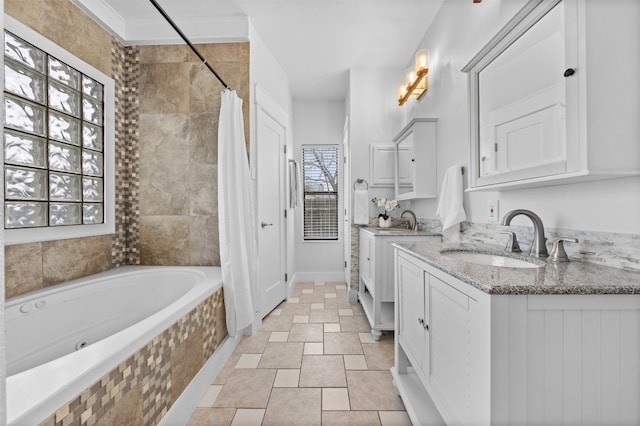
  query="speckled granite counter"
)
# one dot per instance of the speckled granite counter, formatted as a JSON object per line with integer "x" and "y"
{"x": 560, "y": 278}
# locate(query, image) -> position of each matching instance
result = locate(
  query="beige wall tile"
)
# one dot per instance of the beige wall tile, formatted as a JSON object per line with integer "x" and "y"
{"x": 164, "y": 240}
{"x": 203, "y": 189}
{"x": 186, "y": 360}
{"x": 29, "y": 12}
{"x": 127, "y": 411}
{"x": 164, "y": 88}
{"x": 204, "y": 247}
{"x": 64, "y": 260}
{"x": 164, "y": 54}
{"x": 203, "y": 136}
{"x": 23, "y": 268}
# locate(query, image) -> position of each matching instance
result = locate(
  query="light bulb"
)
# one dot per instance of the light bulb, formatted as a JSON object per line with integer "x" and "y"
{"x": 421, "y": 59}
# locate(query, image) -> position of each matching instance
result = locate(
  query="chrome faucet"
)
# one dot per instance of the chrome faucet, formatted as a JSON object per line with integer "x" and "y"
{"x": 538, "y": 246}
{"x": 413, "y": 221}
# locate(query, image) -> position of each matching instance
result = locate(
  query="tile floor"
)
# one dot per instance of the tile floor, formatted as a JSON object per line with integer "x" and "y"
{"x": 314, "y": 362}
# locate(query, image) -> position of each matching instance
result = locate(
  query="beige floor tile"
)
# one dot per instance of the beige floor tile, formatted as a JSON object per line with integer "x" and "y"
{"x": 357, "y": 309}
{"x": 322, "y": 371}
{"x": 335, "y": 399}
{"x": 279, "y": 336}
{"x": 248, "y": 361}
{"x": 326, "y": 315}
{"x": 372, "y": 390}
{"x": 355, "y": 362}
{"x": 276, "y": 312}
{"x": 307, "y": 291}
{"x": 294, "y": 407}
{"x": 210, "y": 396}
{"x": 212, "y": 417}
{"x": 300, "y": 319}
{"x": 281, "y": 355}
{"x": 366, "y": 338}
{"x": 340, "y": 302}
{"x": 330, "y": 295}
{"x": 355, "y": 323}
{"x": 317, "y": 306}
{"x": 306, "y": 333}
{"x": 253, "y": 344}
{"x": 227, "y": 370}
{"x": 296, "y": 309}
{"x": 287, "y": 378}
{"x": 332, "y": 328}
{"x": 379, "y": 356}
{"x": 247, "y": 388}
{"x": 278, "y": 323}
{"x": 318, "y": 283}
{"x": 342, "y": 343}
{"x": 350, "y": 418}
{"x": 248, "y": 417}
{"x": 345, "y": 312}
{"x": 394, "y": 418}
{"x": 313, "y": 348}
{"x": 293, "y": 300}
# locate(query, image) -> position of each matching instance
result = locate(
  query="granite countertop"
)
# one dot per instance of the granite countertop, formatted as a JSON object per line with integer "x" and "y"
{"x": 399, "y": 232}
{"x": 550, "y": 278}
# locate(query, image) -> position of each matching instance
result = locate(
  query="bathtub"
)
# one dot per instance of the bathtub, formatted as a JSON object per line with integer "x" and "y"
{"x": 62, "y": 339}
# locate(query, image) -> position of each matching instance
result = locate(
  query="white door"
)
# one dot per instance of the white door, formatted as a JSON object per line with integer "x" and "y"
{"x": 270, "y": 162}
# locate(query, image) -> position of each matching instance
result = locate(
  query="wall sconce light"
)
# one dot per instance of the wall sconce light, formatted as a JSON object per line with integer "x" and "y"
{"x": 417, "y": 81}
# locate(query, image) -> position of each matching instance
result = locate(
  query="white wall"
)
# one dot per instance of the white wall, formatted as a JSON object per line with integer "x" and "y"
{"x": 456, "y": 35}
{"x": 318, "y": 123}
{"x": 266, "y": 72}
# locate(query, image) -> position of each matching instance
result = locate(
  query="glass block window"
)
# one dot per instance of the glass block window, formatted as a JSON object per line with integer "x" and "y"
{"x": 320, "y": 178}
{"x": 53, "y": 140}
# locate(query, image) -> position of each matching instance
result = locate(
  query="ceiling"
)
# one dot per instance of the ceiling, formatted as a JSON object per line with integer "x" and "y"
{"x": 315, "y": 41}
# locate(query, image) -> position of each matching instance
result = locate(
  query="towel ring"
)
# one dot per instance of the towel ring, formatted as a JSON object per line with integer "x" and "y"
{"x": 359, "y": 181}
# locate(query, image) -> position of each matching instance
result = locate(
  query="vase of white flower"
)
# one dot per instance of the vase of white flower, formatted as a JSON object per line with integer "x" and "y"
{"x": 384, "y": 219}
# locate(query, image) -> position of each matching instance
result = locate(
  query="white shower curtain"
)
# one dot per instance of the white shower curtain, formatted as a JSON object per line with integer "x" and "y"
{"x": 238, "y": 248}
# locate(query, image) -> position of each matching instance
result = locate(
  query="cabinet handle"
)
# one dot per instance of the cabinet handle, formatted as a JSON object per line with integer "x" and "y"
{"x": 569, "y": 72}
{"x": 425, "y": 326}
{"x": 420, "y": 321}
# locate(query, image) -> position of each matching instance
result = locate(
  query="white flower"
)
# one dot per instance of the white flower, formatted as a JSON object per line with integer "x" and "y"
{"x": 380, "y": 202}
{"x": 391, "y": 204}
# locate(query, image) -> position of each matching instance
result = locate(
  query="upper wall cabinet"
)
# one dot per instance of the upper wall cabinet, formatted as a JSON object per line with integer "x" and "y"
{"x": 415, "y": 160}
{"x": 552, "y": 99}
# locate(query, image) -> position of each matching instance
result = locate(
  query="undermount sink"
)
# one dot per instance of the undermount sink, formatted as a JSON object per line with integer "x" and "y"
{"x": 490, "y": 259}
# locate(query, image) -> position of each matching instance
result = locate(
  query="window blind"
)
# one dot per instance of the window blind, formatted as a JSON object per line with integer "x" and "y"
{"x": 320, "y": 177}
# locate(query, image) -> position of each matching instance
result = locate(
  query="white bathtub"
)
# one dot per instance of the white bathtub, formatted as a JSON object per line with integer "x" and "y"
{"x": 62, "y": 339}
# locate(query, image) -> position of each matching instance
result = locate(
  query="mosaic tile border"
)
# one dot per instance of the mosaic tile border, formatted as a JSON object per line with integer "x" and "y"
{"x": 148, "y": 370}
{"x": 119, "y": 240}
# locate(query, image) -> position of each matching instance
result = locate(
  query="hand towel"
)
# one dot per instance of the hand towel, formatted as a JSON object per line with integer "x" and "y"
{"x": 361, "y": 207}
{"x": 450, "y": 209}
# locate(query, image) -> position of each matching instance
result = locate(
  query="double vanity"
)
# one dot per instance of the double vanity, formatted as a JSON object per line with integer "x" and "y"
{"x": 486, "y": 336}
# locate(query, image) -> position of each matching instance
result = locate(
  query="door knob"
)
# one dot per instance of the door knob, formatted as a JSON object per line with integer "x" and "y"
{"x": 264, "y": 224}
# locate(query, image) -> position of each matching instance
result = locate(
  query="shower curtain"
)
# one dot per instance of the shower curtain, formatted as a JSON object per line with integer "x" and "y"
{"x": 238, "y": 247}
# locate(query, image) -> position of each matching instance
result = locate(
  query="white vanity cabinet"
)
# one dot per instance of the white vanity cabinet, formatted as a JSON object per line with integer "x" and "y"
{"x": 376, "y": 270}
{"x": 549, "y": 101}
{"x": 466, "y": 357}
{"x": 415, "y": 160}
{"x": 439, "y": 332}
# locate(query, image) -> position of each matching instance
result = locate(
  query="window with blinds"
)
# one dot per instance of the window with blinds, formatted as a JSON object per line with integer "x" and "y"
{"x": 320, "y": 179}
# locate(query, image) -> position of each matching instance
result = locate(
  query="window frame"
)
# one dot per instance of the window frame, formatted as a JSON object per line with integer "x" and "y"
{"x": 337, "y": 192}
{"x": 48, "y": 233}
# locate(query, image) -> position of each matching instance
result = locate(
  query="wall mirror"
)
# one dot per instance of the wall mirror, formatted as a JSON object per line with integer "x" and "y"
{"x": 517, "y": 87}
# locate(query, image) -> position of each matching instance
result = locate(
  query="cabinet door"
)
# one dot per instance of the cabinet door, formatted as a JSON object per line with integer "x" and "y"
{"x": 412, "y": 332}
{"x": 450, "y": 369}
{"x": 367, "y": 261}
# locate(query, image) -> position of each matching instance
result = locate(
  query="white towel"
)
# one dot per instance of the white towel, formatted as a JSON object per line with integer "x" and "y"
{"x": 361, "y": 207}
{"x": 450, "y": 209}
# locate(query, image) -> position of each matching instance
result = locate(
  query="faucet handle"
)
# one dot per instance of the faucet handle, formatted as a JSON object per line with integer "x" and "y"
{"x": 512, "y": 243}
{"x": 557, "y": 251}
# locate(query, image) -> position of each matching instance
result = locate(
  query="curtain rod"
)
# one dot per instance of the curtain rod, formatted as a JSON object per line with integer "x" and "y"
{"x": 186, "y": 40}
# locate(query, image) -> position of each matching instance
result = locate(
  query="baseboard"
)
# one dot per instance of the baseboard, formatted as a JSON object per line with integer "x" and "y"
{"x": 187, "y": 402}
{"x": 302, "y": 277}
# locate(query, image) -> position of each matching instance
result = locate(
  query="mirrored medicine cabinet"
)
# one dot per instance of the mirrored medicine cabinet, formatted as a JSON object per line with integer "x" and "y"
{"x": 530, "y": 113}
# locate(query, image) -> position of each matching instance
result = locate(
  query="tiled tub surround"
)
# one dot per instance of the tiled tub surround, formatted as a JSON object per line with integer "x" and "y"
{"x": 143, "y": 383}
{"x": 550, "y": 278}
